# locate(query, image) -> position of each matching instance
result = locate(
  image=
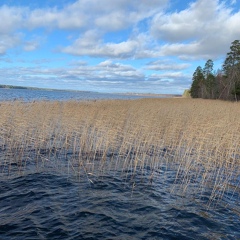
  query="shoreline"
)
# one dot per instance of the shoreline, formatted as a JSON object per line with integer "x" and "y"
{"x": 161, "y": 95}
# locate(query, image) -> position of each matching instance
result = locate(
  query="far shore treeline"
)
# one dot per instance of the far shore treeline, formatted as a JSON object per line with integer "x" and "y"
{"x": 222, "y": 84}
{"x": 13, "y": 87}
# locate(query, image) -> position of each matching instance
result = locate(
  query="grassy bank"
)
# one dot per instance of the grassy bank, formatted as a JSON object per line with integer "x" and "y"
{"x": 200, "y": 138}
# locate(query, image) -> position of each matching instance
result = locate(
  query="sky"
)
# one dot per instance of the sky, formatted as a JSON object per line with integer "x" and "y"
{"x": 114, "y": 46}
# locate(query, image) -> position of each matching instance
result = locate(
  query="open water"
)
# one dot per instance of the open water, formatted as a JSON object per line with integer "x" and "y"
{"x": 57, "y": 95}
{"x": 53, "y": 204}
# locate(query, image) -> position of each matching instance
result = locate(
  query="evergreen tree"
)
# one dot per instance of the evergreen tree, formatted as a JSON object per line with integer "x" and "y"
{"x": 224, "y": 84}
{"x": 208, "y": 68}
{"x": 197, "y": 84}
{"x": 231, "y": 69}
{"x": 209, "y": 80}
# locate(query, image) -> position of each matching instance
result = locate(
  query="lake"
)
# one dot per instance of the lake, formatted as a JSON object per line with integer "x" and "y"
{"x": 51, "y": 204}
{"x": 59, "y": 95}
{"x": 51, "y": 201}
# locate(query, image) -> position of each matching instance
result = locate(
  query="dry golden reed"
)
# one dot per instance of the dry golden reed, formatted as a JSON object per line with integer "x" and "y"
{"x": 200, "y": 139}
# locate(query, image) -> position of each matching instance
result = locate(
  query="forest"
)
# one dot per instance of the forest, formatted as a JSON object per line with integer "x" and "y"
{"x": 221, "y": 84}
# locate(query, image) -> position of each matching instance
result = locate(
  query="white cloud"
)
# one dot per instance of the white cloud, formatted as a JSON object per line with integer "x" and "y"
{"x": 108, "y": 64}
{"x": 90, "y": 44}
{"x": 68, "y": 18}
{"x": 187, "y": 32}
{"x": 189, "y": 23}
{"x": 160, "y": 65}
{"x": 98, "y": 49}
{"x": 9, "y": 41}
{"x": 112, "y": 21}
{"x": 116, "y": 30}
{"x": 11, "y": 19}
{"x": 170, "y": 76}
{"x": 107, "y": 14}
{"x": 170, "y": 81}
{"x": 121, "y": 14}
{"x": 83, "y": 15}
{"x": 31, "y": 45}
{"x": 204, "y": 30}
{"x": 106, "y": 76}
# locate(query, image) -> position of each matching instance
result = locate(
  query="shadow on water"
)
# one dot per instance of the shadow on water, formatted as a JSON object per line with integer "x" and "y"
{"x": 44, "y": 205}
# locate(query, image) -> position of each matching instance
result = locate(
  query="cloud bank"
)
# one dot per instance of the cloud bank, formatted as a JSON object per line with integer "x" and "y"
{"x": 145, "y": 46}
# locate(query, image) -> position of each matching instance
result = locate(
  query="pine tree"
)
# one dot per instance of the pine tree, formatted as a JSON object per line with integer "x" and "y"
{"x": 209, "y": 80}
{"x": 196, "y": 90}
{"x": 231, "y": 69}
{"x": 208, "y": 68}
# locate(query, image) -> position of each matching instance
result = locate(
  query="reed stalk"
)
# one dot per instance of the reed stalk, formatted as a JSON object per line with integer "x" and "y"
{"x": 200, "y": 139}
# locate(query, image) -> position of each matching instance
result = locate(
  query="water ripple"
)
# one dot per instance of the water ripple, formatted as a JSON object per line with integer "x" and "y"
{"x": 55, "y": 206}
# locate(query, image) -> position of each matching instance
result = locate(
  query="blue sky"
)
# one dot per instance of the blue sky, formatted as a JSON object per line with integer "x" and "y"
{"x": 150, "y": 46}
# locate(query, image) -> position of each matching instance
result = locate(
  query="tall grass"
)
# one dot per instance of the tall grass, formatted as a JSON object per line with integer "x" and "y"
{"x": 200, "y": 139}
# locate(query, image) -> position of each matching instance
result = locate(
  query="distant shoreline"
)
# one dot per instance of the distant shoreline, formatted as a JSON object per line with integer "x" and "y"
{"x": 36, "y": 88}
{"x": 29, "y": 88}
{"x": 14, "y": 87}
{"x": 152, "y": 94}
{"x": 2, "y": 86}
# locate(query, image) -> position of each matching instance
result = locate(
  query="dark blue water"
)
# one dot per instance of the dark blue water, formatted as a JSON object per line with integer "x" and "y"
{"x": 51, "y": 202}
{"x": 48, "y": 204}
{"x": 57, "y": 95}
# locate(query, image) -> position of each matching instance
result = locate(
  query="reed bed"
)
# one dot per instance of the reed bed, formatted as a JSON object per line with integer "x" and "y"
{"x": 200, "y": 139}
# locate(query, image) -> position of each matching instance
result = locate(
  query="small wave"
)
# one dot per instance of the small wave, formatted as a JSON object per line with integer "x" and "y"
{"x": 51, "y": 206}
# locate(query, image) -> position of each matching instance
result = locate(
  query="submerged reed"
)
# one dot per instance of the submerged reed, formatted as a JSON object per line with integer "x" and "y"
{"x": 200, "y": 139}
